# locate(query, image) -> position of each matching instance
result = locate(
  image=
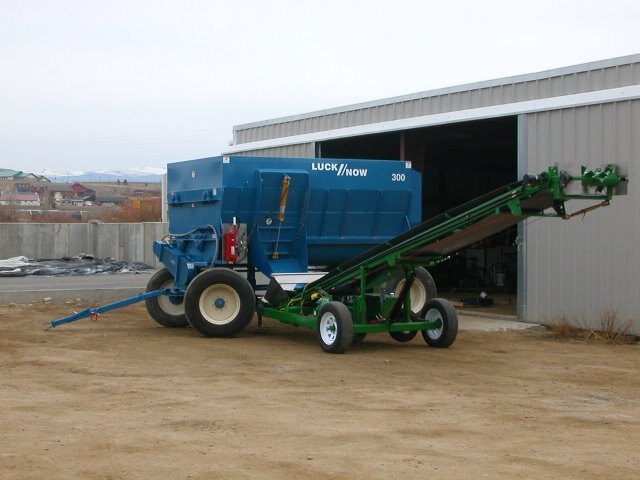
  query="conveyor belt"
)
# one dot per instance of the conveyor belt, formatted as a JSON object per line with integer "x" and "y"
{"x": 469, "y": 223}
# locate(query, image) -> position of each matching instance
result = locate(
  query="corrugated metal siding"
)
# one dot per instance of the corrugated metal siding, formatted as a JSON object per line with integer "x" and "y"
{"x": 303, "y": 150}
{"x": 583, "y": 266}
{"x": 428, "y": 103}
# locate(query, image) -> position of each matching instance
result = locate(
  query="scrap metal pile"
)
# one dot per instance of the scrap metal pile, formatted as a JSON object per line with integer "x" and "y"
{"x": 81, "y": 264}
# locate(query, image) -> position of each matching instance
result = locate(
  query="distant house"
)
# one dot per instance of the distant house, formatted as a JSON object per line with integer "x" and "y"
{"x": 31, "y": 199}
{"x": 22, "y": 187}
{"x": 80, "y": 191}
{"x": 60, "y": 201}
{"x": 52, "y": 192}
{"x": 8, "y": 174}
{"x": 76, "y": 188}
{"x": 52, "y": 187}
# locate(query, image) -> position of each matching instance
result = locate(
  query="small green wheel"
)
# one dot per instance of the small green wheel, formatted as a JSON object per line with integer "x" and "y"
{"x": 404, "y": 336}
{"x": 334, "y": 327}
{"x": 440, "y": 310}
{"x": 407, "y": 335}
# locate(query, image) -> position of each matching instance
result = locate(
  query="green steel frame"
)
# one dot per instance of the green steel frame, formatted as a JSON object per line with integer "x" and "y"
{"x": 358, "y": 283}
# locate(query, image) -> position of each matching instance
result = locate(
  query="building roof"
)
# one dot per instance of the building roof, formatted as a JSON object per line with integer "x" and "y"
{"x": 556, "y": 72}
{"x": 54, "y": 186}
{"x": 18, "y": 175}
{"x": 606, "y": 81}
{"x": 8, "y": 173}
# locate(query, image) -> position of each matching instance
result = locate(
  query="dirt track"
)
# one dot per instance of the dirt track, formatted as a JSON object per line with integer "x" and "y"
{"x": 122, "y": 398}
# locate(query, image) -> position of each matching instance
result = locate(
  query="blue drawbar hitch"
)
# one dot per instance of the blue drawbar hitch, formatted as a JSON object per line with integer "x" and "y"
{"x": 95, "y": 312}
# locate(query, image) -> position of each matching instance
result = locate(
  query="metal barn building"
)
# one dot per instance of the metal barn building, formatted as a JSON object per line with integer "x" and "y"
{"x": 472, "y": 138}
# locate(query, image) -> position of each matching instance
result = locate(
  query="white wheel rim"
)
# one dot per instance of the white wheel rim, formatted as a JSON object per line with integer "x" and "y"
{"x": 417, "y": 292}
{"x": 174, "y": 309}
{"x": 328, "y": 328}
{"x": 219, "y": 304}
{"x": 433, "y": 315}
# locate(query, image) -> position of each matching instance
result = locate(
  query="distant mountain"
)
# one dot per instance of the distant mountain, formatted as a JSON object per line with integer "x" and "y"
{"x": 140, "y": 175}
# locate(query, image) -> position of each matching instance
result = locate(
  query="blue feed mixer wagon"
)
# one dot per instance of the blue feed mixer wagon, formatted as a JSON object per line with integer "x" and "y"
{"x": 337, "y": 243}
{"x": 236, "y": 216}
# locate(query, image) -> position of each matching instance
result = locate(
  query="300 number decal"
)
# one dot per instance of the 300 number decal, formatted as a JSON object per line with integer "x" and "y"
{"x": 398, "y": 177}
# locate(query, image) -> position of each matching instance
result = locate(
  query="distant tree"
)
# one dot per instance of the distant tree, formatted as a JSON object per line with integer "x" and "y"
{"x": 125, "y": 182}
{"x": 140, "y": 210}
{"x": 6, "y": 186}
{"x": 118, "y": 181}
{"x": 8, "y": 214}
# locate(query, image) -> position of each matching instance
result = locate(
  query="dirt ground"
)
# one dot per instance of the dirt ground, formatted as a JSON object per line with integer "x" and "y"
{"x": 122, "y": 398}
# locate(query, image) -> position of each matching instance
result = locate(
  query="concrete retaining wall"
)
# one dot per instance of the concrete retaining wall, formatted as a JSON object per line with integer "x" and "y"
{"x": 131, "y": 242}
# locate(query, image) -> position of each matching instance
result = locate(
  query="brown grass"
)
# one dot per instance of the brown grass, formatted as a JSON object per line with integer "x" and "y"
{"x": 607, "y": 328}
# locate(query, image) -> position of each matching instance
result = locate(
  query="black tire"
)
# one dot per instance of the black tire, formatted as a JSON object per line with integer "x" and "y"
{"x": 161, "y": 309}
{"x": 441, "y": 309}
{"x": 422, "y": 290}
{"x": 219, "y": 303}
{"x": 334, "y": 327}
{"x": 358, "y": 338}
{"x": 404, "y": 336}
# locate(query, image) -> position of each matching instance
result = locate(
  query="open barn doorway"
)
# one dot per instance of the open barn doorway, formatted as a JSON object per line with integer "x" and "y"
{"x": 459, "y": 162}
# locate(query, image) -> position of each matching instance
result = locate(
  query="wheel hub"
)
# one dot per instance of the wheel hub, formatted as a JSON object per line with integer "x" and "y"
{"x": 328, "y": 329}
{"x": 433, "y": 315}
{"x": 417, "y": 292}
{"x": 219, "y": 304}
{"x": 172, "y": 304}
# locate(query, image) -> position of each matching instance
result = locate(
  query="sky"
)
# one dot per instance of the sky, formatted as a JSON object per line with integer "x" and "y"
{"x": 94, "y": 85}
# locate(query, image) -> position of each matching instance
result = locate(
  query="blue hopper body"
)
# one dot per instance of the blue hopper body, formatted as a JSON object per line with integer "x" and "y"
{"x": 289, "y": 213}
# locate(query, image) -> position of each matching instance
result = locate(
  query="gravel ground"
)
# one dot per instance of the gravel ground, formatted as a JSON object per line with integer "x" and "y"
{"x": 123, "y": 398}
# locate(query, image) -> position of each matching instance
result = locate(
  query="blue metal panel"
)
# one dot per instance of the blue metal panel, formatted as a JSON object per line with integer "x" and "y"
{"x": 274, "y": 246}
{"x": 336, "y": 209}
{"x": 194, "y": 194}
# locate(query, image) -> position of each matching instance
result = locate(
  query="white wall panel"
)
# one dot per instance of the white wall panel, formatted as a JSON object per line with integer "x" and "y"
{"x": 304, "y": 150}
{"x": 132, "y": 242}
{"x": 583, "y": 266}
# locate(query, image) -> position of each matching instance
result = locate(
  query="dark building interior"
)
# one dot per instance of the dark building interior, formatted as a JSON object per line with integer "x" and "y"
{"x": 459, "y": 162}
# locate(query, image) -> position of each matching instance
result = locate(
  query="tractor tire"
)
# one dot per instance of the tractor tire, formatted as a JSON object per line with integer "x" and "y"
{"x": 162, "y": 309}
{"x": 219, "y": 303}
{"x": 422, "y": 290}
